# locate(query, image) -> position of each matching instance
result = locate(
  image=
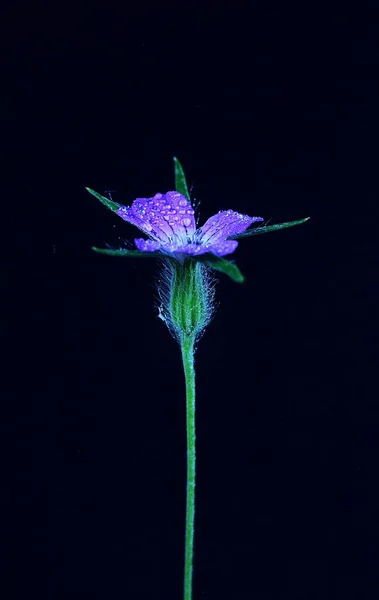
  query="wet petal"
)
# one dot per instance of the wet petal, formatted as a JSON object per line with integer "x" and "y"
{"x": 223, "y": 247}
{"x": 223, "y": 225}
{"x": 218, "y": 249}
{"x": 192, "y": 249}
{"x": 164, "y": 217}
{"x": 147, "y": 245}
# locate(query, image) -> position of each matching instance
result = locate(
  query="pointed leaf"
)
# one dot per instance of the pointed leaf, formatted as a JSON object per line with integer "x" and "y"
{"x": 128, "y": 253}
{"x": 224, "y": 266}
{"x": 260, "y": 230}
{"x": 108, "y": 203}
{"x": 180, "y": 180}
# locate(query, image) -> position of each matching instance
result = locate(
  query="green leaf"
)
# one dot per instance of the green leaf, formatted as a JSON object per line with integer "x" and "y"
{"x": 128, "y": 253}
{"x": 224, "y": 266}
{"x": 260, "y": 230}
{"x": 180, "y": 180}
{"x": 108, "y": 203}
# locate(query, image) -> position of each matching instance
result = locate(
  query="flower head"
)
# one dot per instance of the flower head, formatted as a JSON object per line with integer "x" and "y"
{"x": 168, "y": 221}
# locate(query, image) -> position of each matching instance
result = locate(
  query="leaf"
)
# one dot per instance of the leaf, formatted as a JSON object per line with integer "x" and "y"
{"x": 224, "y": 266}
{"x": 180, "y": 180}
{"x": 108, "y": 203}
{"x": 260, "y": 230}
{"x": 127, "y": 253}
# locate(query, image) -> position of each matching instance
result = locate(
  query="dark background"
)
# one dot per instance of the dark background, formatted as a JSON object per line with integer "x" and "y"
{"x": 271, "y": 107}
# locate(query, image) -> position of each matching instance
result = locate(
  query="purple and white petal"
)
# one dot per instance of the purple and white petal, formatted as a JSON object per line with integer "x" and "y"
{"x": 128, "y": 215}
{"x": 192, "y": 249}
{"x": 145, "y": 214}
{"x": 224, "y": 224}
{"x": 219, "y": 248}
{"x": 177, "y": 214}
{"x": 184, "y": 219}
{"x": 147, "y": 245}
{"x": 164, "y": 217}
{"x": 223, "y": 247}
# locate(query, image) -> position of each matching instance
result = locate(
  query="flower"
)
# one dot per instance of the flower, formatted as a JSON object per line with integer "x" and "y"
{"x": 168, "y": 219}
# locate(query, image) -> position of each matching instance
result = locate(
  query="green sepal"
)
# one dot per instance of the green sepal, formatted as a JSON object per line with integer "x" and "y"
{"x": 224, "y": 266}
{"x": 108, "y": 203}
{"x": 189, "y": 306}
{"x": 180, "y": 180}
{"x": 259, "y": 230}
{"x": 128, "y": 253}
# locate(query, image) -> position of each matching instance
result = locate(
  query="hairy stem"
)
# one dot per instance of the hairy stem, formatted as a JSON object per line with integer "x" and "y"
{"x": 187, "y": 348}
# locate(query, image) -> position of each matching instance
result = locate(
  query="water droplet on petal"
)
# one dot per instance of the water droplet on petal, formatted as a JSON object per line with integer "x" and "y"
{"x": 182, "y": 212}
{"x": 147, "y": 226}
{"x": 166, "y": 217}
{"x": 182, "y": 202}
{"x": 186, "y": 222}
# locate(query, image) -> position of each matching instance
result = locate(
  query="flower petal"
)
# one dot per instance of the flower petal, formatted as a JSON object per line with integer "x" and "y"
{"x": 164, "y": 217}
{"x": 147, "y": 245}
{"x": 218, "y": 249}
{"x": 224, "y": 224}
{"x": 223, "y": 247}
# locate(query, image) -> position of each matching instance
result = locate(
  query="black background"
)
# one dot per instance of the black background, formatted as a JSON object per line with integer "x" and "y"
{"x": 271, "y": 107}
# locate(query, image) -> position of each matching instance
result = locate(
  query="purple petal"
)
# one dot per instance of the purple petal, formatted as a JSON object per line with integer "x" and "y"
{"x": 223, "y": 225}
{"x": 223, "y": 247}
{"x": 164, "y": 217}
{"x": 147, "y": 245}
{"x": 219, "y": 248}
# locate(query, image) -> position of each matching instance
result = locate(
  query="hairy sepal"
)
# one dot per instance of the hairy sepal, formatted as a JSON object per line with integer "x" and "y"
{"x": 180, "y": 180}
{"x": 186, "y": 294}
{"x": 126, "y": 253}
{"x": 223, "y": 266}
{"x": 114, "y": 206}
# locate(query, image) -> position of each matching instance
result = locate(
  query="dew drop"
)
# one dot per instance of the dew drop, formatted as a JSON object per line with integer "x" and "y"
{"x": 166, "y": 217}
{"x": 186, "y": 222}
{"x": 147, "y": 226}
{"x": 190, "y": 211}
{"x": 182, "y": 202}
{"x": 182, "y": 212}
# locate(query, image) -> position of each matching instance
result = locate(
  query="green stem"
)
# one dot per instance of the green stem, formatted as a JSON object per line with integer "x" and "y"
{"x": 187, "y": 348}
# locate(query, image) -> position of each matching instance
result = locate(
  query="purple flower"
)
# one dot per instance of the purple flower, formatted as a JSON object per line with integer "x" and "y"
{"x": 168, "y": 219}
